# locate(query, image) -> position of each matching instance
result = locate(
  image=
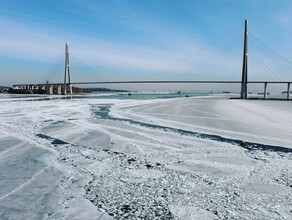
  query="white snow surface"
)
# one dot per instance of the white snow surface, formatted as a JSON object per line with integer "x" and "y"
{"x": 71, "y": 159}
{"x": 268, "y": 122}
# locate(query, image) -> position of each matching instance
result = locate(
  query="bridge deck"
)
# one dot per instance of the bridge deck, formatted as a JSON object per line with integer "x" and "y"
{"x": 161, "y": 81}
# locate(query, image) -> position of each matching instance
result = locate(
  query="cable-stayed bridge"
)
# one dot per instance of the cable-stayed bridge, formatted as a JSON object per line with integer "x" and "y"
{"x": 275, "y": 70}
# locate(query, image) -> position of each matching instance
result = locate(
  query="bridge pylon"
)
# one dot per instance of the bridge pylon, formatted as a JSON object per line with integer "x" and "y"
{"x": 67, "y": 71}
{"x": 244, "y": 64}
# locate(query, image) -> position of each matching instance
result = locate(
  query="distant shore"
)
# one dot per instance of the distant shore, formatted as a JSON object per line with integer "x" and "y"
{"x": 76, "y": 90}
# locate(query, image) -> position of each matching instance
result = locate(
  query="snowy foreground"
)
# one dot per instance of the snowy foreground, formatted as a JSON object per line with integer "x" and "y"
{"x": 182, "y": 158}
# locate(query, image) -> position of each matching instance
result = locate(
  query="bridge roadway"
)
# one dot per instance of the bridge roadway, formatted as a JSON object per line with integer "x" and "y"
{"x": 192, "y": 82}
{"x": 176, "y": 81}
{"x": 51, "y": 85}
{"x": 155, "y": 81}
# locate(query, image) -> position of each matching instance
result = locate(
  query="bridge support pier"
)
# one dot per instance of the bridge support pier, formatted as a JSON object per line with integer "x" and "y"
{"x": 265, "y": 90}
{"x": 70, "y": 89}
{"x": 288, "y": 91}
{"x": 51, "y": 90}
{"x": 59, "y": 90}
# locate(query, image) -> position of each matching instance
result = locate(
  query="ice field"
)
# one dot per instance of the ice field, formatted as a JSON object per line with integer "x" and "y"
{"x": 181, "y": 158}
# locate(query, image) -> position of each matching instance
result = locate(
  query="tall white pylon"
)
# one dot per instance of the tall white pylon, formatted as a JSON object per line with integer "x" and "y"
{"x": 244, "y": 64}
{"x": 67, "y": 71}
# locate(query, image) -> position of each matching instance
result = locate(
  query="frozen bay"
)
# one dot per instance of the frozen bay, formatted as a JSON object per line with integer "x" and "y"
{"x": 178, "y": 158}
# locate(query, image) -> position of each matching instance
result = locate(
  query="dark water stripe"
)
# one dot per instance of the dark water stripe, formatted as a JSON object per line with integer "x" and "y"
{"x": 54, "y": 141}
{"x": 104, "y": 110}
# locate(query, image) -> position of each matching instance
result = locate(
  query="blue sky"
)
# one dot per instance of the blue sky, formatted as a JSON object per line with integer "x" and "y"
{"x": 133, "y": 40}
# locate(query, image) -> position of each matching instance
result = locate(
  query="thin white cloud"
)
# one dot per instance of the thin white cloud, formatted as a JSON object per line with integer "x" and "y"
{"x": 183, "y": 57}
{"x": 285, "y": 20}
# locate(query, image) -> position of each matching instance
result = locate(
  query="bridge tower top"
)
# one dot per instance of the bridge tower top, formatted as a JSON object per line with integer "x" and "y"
{"x": 67, "y": 71}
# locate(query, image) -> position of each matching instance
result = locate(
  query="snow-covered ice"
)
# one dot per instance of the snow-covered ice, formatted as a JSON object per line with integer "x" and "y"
{"x": 181, "y": 158}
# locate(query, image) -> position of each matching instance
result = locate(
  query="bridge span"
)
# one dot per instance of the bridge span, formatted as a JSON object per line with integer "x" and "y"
{"x": 57, "y": 88}
{"x": 66, "y": 87}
